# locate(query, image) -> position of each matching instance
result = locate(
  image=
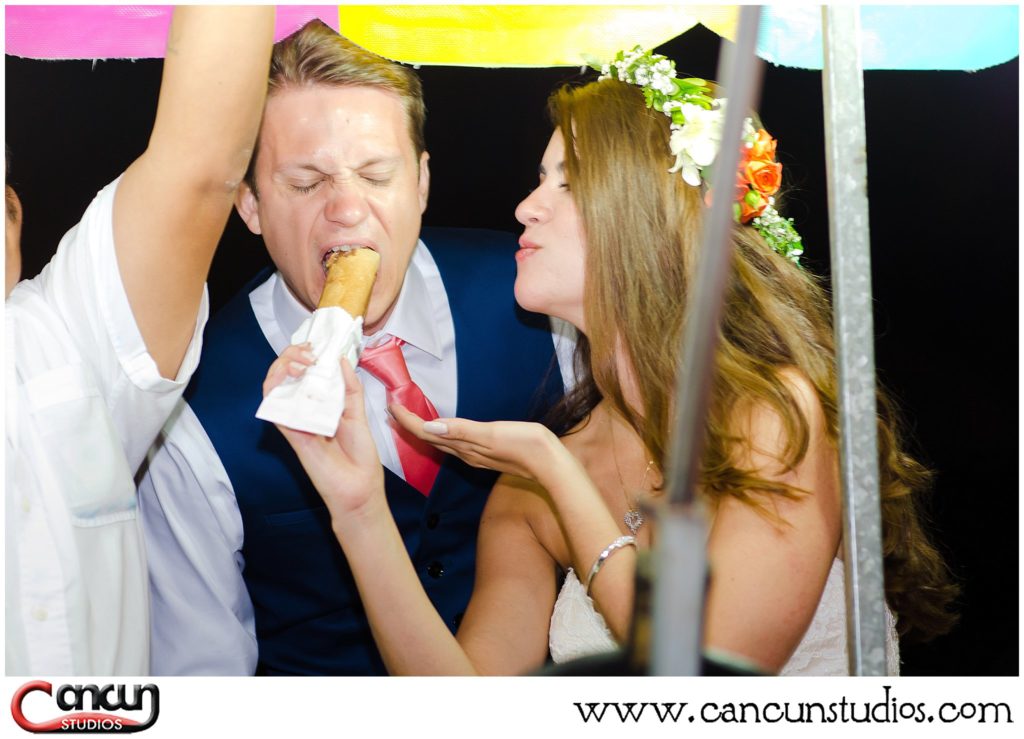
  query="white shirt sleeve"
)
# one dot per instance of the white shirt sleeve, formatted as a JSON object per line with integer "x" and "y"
{"x": 202, "y": 616}
{"x": 82, "y": 286}
{"x": 85, "y": 401}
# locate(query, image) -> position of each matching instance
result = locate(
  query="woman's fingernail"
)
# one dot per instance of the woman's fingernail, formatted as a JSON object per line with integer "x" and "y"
{"x": 298, "y": 366}
{"x": 308, "y": 355}
{"x": 435, "y": 427}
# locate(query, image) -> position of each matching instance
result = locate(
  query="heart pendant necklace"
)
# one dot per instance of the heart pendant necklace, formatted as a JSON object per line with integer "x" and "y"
{"x": 633, "y": 517}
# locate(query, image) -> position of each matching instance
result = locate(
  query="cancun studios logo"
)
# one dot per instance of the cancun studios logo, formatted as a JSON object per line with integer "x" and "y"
{"x": 93, "y": 721}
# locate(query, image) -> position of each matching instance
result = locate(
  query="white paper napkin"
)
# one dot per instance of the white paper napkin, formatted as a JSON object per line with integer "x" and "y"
{"x": 315, "y": 401}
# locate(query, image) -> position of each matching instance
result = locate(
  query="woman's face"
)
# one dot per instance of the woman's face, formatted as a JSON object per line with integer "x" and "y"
{"x": 550, "y": 258}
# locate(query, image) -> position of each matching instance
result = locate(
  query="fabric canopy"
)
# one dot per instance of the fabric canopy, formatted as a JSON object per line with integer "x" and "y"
{"x": 508, "y": 35}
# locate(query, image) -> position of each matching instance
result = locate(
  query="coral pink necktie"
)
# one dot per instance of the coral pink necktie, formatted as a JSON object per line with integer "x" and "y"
{"x": 420, "y": 461}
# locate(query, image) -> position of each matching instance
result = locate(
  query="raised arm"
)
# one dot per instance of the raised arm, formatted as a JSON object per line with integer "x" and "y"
{"x": 173, "y": 201}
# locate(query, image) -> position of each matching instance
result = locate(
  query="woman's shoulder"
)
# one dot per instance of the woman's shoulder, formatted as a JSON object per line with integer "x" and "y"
{"x": 772, "y": 447}
{"x": 804, "y": 394}
{"x": 763, "y": 419}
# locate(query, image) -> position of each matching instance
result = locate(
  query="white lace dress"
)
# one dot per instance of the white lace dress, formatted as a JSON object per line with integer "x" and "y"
{"x": 578, "y": 630}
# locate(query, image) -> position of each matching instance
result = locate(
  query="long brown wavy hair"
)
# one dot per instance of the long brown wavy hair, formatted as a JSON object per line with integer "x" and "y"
{"x": 643, "y": 227}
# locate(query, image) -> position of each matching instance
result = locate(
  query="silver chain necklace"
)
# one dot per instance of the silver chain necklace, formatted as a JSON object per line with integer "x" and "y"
{"x": 633, "y": 517}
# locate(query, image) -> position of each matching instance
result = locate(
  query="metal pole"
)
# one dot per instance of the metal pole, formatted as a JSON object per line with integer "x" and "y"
{"x": 846, "y": 165}
{"x": 681, "y": 556}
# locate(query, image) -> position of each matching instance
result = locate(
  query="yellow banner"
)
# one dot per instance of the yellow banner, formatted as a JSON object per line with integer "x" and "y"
{"x": 521, "y": 35}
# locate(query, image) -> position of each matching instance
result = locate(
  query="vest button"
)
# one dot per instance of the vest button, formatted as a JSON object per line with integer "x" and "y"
{"x": 435, "y": 570}
{"x": 433, "y": 520}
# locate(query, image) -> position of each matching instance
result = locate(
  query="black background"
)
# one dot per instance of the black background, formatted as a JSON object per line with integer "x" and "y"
{"x": 943, "y": 181}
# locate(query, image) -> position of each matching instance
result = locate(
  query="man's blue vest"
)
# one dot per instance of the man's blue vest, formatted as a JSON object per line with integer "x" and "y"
{"x": 309, "y": 619}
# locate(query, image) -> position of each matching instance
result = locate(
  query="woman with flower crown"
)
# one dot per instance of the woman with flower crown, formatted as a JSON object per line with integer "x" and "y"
{"x": 609, "y": 245}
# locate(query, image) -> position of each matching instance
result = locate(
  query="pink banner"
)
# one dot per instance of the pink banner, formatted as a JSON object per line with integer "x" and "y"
{"x": 117, "y": 31}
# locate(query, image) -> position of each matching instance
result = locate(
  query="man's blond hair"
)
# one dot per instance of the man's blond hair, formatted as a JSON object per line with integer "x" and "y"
{"x": 317, "y": 55}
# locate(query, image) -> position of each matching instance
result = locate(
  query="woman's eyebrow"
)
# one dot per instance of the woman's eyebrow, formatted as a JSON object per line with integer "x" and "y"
{"x": 541, "y": 170}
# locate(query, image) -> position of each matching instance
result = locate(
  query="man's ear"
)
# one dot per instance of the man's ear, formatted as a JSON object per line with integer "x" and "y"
{"x": 248, "y": 207}
{"x": 12, "y": 241}
{"x": 424, "y": 183}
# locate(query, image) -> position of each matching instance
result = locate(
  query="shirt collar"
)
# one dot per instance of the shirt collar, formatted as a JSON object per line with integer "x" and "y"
{"x": 411, "y": 320}
{"x": 288, "y": 311}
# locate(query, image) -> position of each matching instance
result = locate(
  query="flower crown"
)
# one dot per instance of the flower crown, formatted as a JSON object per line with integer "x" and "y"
{"x": 697, "y": 121}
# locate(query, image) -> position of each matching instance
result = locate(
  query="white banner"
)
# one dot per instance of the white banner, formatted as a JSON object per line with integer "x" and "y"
{"x": 196, "y": 708}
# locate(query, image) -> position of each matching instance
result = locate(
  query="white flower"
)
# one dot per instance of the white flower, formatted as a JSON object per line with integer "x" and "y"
{"x": 691, "y": 172}
{"x": 678, "y": 144}
{"x": 662, "y": 83}
{"x": 696, "y": 141}
{"x": 665, "y": 67}
{"x": 699, "y": 136}
{"x": 631, "y": 56}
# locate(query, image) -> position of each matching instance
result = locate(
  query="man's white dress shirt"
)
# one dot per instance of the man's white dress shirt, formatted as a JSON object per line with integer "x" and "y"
{"x": 84, "y": 402}
{"x": 203, "y": 620}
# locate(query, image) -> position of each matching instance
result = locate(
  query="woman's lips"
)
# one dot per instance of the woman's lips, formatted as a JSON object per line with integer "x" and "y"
{"x": 526, "y": 250}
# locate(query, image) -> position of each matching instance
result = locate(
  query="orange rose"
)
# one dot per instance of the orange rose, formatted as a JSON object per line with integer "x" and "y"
{"x": 765, "y": 177}
{"x": 751, "y": 206}
{"x": 764, "y": 146}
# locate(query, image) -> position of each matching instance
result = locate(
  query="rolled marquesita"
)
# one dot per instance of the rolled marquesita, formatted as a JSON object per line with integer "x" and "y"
{"x": 314, "y": 402}
{"x": 350, "y": 278}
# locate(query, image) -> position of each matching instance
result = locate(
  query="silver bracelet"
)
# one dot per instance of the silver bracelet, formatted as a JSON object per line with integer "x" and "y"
{"x": 622, "y": 541}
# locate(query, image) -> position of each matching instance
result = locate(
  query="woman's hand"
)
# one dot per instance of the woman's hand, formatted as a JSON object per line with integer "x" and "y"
{"x": 516, "y": 447}
{"x": 345, "y": 468}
